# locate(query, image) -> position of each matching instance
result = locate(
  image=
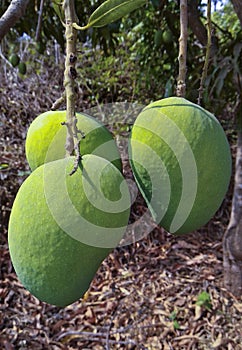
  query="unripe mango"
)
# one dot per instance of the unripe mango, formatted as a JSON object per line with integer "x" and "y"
{"x": 181, "y": 160}
{"x": 46, "y": 138}
{"x": 62, "y": 227}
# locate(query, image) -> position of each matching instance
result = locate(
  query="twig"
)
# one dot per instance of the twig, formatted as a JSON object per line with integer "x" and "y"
{"x": 56, "y": 105}
{"x": 100, "y": 337}
{"x": 208, "y": 50}
{"x": 37, "y": 35}
{"x": 181, "y": 81}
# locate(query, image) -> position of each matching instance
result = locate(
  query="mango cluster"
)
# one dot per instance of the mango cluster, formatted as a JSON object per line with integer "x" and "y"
{"x": 63, "y": 226}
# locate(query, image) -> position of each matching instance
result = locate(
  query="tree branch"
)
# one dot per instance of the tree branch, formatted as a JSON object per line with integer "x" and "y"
{"x": 13, "y": 13}
{"x": 232, "y": 242}
{"x": 181, "y": 81}
{"x": 195, "y": 22}
{"x": 208, "y": 52}
{"x": 38, "y": 29}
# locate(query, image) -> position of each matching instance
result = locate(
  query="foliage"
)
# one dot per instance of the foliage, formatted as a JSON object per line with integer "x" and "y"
{"x": 112, "y": 10}
{"x": 118, "y": 81}
{"x": 51, "y": 25}
{"x": 158, "y": 60}
{"x": 157, "y": 63}
{"x": 52, "y": 28}
{"x": 224, "y": 79}
{"x": 227, "y": 20}
{"x": 142, "y": 51}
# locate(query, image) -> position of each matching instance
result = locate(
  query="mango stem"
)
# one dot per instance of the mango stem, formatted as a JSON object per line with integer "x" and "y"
{"x": 70, "y": 74}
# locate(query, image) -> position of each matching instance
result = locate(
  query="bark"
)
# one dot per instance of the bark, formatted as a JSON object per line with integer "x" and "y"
{"x": 182, "y": 58}
{"x": 208, "y": 52}
{"x": 13, "y": 13}
{"x": 195, "y": 22}
{"x": 238, "y": 9}
{"x": 232, "y": 243}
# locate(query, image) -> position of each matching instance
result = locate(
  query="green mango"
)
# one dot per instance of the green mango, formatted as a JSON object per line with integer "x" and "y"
{"x": 62, "y": 227}
{"x": 181, "y": 161}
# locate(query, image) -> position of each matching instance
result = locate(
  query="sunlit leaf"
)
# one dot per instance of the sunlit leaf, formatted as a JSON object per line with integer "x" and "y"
{"x": 57, "y": 6}
{"x": 112, "y": 10}
{"x": 3, "y": 166}
{"x": 204, "y": 300}
{"x": 176, "y": 324}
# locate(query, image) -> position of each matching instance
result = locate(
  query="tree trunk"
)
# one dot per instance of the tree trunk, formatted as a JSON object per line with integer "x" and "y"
{"x": 238, "y": 9}
{"x": 15, "y": 10}
{"x": 195, "y": 23}
{"x": 232, "y": 243}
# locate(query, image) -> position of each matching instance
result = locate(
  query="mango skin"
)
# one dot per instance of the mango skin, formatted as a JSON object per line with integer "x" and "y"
{"x": 186, "y": 152}
{"x": 55, "y": 267}
{"x": 46, "y": 139}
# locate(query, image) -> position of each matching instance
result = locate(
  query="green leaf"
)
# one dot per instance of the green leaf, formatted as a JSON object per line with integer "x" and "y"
{"x": 176, "y": 324}
{"x": 112, "y": 10}
{"x": 204, "y": 300}
{"x": 236, "y": 51}
{"x": 3, "y": 166}
{"x": 219, "y": 83}
{"x": 168, "y": 88}
{"x": 173, "y": 315}
{"x": 57, "y": 6}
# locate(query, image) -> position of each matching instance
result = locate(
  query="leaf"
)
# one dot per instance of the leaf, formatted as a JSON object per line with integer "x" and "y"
{"x": 236, "y": 50}
{"x": 168, "y": 88}
{"x": 203, "y": 296}
{"x": 110, "y": 11}
{"x": 57, "y": 6}
{"x": 204, "y": 300}
{"x": 176, "y": 324}
{"x": 219, "y": 83}
{"x": 173, "y": 315}
{"x": 3, "y": 166}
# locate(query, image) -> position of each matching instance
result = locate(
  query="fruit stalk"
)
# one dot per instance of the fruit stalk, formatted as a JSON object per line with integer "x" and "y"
{"x": 181, "y": 81}
{"x": 72, "y": 142}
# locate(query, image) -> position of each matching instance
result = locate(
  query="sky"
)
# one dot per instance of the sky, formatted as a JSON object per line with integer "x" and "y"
{"x": 219, "y": 4}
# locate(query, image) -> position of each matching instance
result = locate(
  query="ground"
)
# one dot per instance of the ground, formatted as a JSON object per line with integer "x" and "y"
{"x": 162, "y": 292}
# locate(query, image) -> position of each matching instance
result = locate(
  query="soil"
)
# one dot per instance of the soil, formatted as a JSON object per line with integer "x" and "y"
{"x": 162, "y": 292}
